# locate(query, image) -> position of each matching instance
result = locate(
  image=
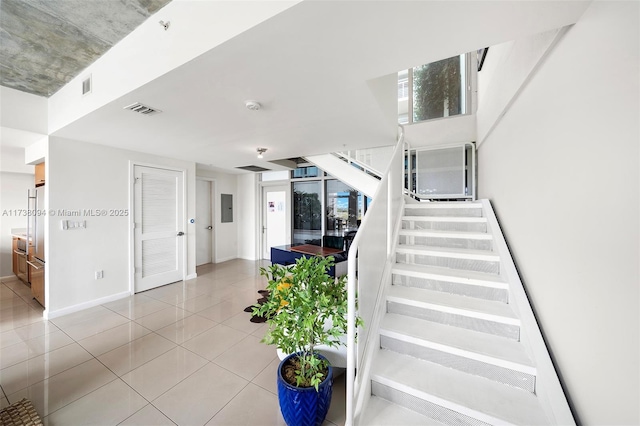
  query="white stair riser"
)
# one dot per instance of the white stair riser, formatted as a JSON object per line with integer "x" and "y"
{"x": 459, "y": 212}
{"x": 479, "y": 265}
{"x": 463, "y": 243}
{"x": 490, "y": 371}
{"x": 426, "y": 408}
{"x": 445, "y": 226}
{"x": 469, "y": 322}
{"x": 477, "y": 291}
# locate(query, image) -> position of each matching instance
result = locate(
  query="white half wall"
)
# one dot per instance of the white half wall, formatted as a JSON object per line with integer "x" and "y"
{"x": 226, "y": 234}
{"x": 441, "y": 131}
{"x": 83, "y": 176}
{"x": 561, "y": 169}
{"x": 13, "y": 187}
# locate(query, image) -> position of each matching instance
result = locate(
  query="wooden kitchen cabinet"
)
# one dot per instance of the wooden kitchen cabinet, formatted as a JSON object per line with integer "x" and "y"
{"x": 39, "y": 174}
{"x": 19, "y": 258}
{"x": 36, "y": 274}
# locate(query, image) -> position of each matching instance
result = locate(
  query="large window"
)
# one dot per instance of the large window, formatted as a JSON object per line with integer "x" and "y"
{"x": 307, "y": 212}
{"x": 435, "y": 90}
{"x": 323, "y": 205}
{"x": 344, "y": 207}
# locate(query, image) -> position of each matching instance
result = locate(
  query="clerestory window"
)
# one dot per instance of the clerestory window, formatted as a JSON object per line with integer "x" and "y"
{"x": 435, "y": 90}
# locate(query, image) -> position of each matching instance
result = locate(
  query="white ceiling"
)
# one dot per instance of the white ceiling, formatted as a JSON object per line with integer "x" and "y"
{"x": 312, "y": 67}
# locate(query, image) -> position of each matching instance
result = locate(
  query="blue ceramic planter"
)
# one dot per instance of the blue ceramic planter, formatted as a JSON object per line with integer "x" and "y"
{"x": 304, "y": 406}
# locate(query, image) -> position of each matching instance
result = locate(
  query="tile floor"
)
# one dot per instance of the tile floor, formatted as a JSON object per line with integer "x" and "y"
{"x": 183, "y": 354}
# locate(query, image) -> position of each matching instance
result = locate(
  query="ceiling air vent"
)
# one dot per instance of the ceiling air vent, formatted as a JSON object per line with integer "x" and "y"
{"x": 142, "y": 109}
{"x": 253, "y": 168}
{"x": 86, "y": 86}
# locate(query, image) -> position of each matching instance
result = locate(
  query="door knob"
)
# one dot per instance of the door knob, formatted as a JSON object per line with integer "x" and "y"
{"x": 209, "y": 227}
{"x": 180, "y": 234}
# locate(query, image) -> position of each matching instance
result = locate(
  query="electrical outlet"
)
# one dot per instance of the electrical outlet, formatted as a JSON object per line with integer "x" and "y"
{"x": 99, "y": 274}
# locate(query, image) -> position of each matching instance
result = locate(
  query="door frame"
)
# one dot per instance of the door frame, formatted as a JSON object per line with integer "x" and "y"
{"x": 213, "y": 200}
{"x": 261, "y": 216}
{"x": 132, "y": 181}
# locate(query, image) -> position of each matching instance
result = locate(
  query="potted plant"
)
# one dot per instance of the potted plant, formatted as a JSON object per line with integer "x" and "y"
{"x": 306, "y": 308}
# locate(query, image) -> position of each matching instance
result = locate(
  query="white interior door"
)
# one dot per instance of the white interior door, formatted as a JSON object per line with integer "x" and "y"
{"x": 158, "y": 234}
{"x": 204, "y": 222}
{"x": 275, "y": 208}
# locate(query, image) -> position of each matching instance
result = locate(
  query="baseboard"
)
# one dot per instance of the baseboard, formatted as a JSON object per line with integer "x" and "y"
{"x": 48, "y": 314}
{"x": 224, "y": 259}
{"x": 9, "y": 278}
{"x": 191, "y": 276}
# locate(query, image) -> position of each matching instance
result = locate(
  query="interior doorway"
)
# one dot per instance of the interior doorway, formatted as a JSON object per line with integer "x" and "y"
{"x": 158, "y": 227}
{"x": 205, "y": 231}
{"x": 276, "y": 218}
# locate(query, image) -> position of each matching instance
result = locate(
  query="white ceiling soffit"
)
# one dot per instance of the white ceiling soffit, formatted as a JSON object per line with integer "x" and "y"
{"x": 311, "y": 67}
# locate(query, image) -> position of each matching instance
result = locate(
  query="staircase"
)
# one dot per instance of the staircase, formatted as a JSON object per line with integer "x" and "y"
{"x": 450, "y": 350}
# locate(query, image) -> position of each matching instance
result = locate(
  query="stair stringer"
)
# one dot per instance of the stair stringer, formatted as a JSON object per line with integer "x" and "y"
{"x": 337, "y": 168}
{"x": 548, "y": 386}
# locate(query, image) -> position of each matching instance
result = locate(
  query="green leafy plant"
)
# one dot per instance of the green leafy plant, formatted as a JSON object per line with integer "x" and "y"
{"x": 306, "y": 308}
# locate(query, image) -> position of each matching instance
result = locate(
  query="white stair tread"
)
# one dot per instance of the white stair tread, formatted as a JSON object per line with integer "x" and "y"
{"x": 471, "y": 395}
{"x": 445, "y": 219}
{"x": 381, "y": 412}
{"x": 453, "y": 303}
{"x": 446, "y": 205}
{"x": 483, "y": 347}
{"x": 446, "y": 234}
{"x": 451, "y": 275}
{"x": 457, "y": 253}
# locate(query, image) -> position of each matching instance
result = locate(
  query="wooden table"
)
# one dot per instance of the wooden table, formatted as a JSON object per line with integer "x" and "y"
{"x": 287, "y": 255}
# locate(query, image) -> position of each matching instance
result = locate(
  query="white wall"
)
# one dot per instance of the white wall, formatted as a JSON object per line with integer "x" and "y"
{"x": 20, "y": 110}
{"x": 13, "y": 187}
{"x": 561, "y": 169}
{"x": 248, "y": 202}
{"x": 509, "y": 67}
{"x": 82, "y": 176}
{"x": 226, "y": 234}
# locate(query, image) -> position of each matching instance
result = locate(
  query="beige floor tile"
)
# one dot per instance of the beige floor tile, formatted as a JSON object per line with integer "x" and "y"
{"x": 127, "y": 302}
{"x": 224, "y": 310}
{"x": 59, "y": 390}
{"x": 242, "y": 322}
{"x": 4, "y": 402}
{"x": 90, "y": 314}
{"x": 162, "y": 373}
{"x": 148, "y": 416}
{"x": 163, "y": 318}
{"x": 248, "y": 358}
{"x": 47, "y": 343}
{"x": 26, "y": 373}
{"x": 108, "y": 405}
{"x": 37, "y": 329}
{"x": 91, "y": 326}
{"x": 214, "y": 341}
{"x": 253, "y": 406}
{"x": 138, "y": 309}
{"x": 201, "y": 302}
{"x": 133, "y": 354}
{"x": 12, "y": 303}
{"x": 266, "y": 379}
{"x": 15, "y": 318}
{"x": 108, "y": 340}
{"x": 186, "y": 329}
{"x": 195, "y": 400}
